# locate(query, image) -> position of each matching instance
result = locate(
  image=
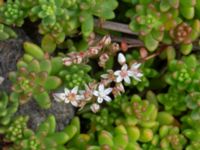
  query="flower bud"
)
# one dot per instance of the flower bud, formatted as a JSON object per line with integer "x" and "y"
{"x": 95, "y": 107}
{"x": 121, "y": 59}
{"x": 67, "y": 61}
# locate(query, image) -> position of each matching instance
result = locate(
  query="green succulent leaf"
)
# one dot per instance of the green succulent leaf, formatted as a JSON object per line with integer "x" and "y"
{"x": 43, "y": 100}
{"x": 48, "y": 43}
{"x": 52, "y": 83}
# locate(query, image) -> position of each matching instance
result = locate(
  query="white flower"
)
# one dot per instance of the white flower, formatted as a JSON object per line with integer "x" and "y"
{"x": 95, "y": 107}
{"x": 59, "y": 97}
{"x": 102, "y": 94}
{"x": 121, "y": 59}
{"x": 135, "y": 70}
{"x": 123, "y": 74}
{"x": 69, "y": 96}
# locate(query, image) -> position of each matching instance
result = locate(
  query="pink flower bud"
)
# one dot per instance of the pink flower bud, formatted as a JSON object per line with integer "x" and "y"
{"x": 104, "y": 57}
{"x": 67, "y": 61}
{"x": 95, "y": 107}
{"x": 106, "y": 40}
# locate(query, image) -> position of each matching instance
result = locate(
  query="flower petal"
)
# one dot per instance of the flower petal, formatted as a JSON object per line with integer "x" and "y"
{"x": 124, "y": 67}
{"x": 75, "y": 90}
{"x": 66, "y": 91}
{"x": 66, "y": 100}
{"x": 74, "y": 103}
{"x": 105, "y": 76}
{"x": 117, "y": 73}
{"x": 96, "y": 93}
{"x": 136, "y": 78}
{"x": 59, "y": 97}
{"x": 119, "y": 79}
{"x": 99, "y": 100}
{"x": 101, "y": 87}
{"x": 79, "y": 97}
{"x": 139, "y": 74}
{"x": 130, "y": 73}
{"x": 127, "y": 80}
{"x": 107, "y": 98}
{"x": 135, "y": 66}
{"x": 108, "y": 91}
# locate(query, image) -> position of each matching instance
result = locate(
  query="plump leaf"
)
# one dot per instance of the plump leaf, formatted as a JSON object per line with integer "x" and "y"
{"x": 45, "y": 65}
{"x": 105, "y": 138}
{"x": 150, "y": 42}
{"x": 48, "y": 43}
{"x": 52, "y": 82}
{"x": 33, "y": 50}
{"x": 187, "y": 12}
{"x": 34, "y": 66}
{"x": 57, "y": 65}
{"x": 87, "y": 24}
{"x": 59, "y": 137}
{"x": 43, "y": 99}
{"x": 52, "y": 124}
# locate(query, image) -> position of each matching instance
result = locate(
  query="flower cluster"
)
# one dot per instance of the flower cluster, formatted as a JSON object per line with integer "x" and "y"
{"x": 104, "y": 49}
{"x": 97, "y": 92}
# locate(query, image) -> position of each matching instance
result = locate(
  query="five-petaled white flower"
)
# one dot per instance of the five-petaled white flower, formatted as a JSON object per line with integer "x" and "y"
{"x": 69, "y": 96}
{"x": 136, "y": 73}
{"x": 102, "y": 94}
{"x": 123, "y": 74}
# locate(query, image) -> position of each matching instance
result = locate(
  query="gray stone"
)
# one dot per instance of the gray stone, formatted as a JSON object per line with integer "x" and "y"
{"x": 62, "y": 112}
{"x": 10, "y": 51}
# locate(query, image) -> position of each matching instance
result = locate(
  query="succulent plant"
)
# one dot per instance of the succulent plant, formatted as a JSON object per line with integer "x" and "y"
{"x": 193, "y": 146}
{"x": 11, "y": 13}
{"x": 35, "y": 81}
{"x": 120, "y": 138}
{"x": 102, "y": 121}
{"x": 162, "y": 114}
{"x": 75, "y": 75}
{"x": 139, "y": 112}
{"x": 33, "y": 77}
{"x": 8, "y": 106}
{"x": 171, "y": 138}
{"x": 151, "y": 23}
{"x": 173, "y": 101}
{"x": 16, "y": 129}
{"x": 45, "y": 137}
{"x": 184, "y": 74}
{"x": 59, "y": 18}
{"x": 183, "y": 78}
{"x": 164, "y": 22}
{"x": 6, "y": 32}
